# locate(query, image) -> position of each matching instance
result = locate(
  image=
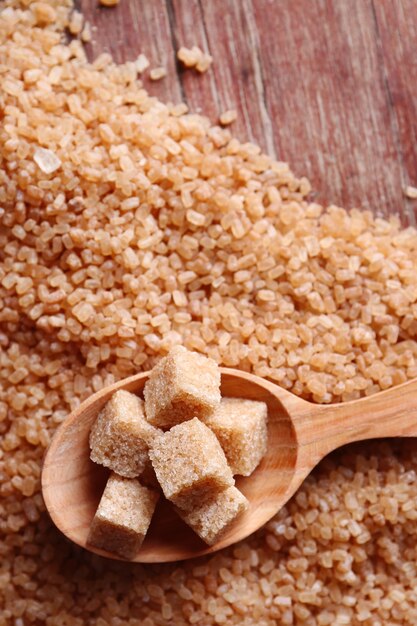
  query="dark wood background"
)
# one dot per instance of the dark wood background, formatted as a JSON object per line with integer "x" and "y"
{"x": 328, "y": 85}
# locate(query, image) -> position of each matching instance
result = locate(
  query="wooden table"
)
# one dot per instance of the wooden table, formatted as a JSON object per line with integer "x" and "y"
{"x": 328, "y": 85}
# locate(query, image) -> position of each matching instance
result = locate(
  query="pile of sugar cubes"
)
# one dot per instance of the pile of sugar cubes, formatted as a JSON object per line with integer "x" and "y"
{"x": 184, "y": 440}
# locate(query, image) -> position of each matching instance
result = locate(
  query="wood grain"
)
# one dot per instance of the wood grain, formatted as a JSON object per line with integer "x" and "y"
{"x": 396, "y": 24}
{"x": 328, "y": 85}
{"x": 334, "y": 120}
{"x": 300, "y": 434}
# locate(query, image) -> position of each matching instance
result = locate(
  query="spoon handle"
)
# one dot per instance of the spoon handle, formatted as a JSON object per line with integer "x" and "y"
{"x": 323, "y": 428}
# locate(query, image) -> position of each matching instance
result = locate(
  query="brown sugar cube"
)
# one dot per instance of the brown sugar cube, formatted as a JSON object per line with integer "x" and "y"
{"x": 181, "y": 386}
{"x": 241, "y": 428}
{"x": 119, "y": 439}
{"x": 214, "y": 516}
{"x": 123, "y": 516}
{"x": 189, "y": 463}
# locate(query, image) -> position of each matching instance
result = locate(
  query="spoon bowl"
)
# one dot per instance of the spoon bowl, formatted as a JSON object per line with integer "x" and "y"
{"x": 300, "y": 434}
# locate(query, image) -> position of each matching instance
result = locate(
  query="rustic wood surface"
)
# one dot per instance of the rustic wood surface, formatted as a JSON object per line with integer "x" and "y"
{"x": 300, "y": 434}
{"x": 328, "y": 85}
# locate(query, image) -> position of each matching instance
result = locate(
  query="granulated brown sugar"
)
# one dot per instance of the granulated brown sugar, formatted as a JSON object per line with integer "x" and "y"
{"x": 156, "y": 229}
{"x": 194, "y": 57}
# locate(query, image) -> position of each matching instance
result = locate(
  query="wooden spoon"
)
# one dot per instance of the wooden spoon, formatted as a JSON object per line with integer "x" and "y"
{"x": 300, "y": 434}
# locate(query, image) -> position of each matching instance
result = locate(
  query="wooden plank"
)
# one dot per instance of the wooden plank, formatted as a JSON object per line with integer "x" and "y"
{"x": 397, "y": 35}
{"x": 133, "y": 27}
{"x": 199, "y": 90}
{"x": 315, "y": 81}
{"x": 326, "y": 94}
{"x": 227, "y": 30}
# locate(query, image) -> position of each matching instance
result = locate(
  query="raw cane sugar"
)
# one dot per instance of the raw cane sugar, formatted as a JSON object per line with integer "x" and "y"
{"x": 181, "y": 386}
{"x": 120, "y": 437}
{"x": 213, "y": 517}
{"x": 241, "y": 427}
{"x": 195, "y": 57}
{"x": 122, "y": 517}
{"x": 342, "y": 281}
{"x": 190, "y": 464}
